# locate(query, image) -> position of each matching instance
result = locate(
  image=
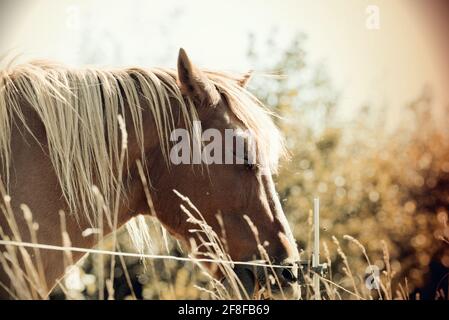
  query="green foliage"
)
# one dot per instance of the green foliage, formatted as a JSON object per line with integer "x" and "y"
{"x": 373, "y": 185}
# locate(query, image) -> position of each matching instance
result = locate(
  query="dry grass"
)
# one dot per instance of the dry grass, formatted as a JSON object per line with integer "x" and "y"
{"x": 23, "y": 264}
{"x": 25, "y": 269}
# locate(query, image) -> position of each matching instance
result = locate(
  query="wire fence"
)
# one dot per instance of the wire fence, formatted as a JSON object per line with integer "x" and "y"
{"x": 139, "y": 255}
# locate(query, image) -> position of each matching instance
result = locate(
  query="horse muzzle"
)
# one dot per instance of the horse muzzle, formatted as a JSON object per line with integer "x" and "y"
{"x": 268, "y": 280}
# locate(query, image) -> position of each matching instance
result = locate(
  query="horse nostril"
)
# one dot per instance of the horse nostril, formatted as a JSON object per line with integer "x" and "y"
{"x": 288, "y": 275}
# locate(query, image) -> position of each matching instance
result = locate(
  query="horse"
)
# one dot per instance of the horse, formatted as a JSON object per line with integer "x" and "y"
{"x": 61, "y": 145}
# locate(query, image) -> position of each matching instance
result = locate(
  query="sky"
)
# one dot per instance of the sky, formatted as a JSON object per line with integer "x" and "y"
{"x": 385, "y": 66}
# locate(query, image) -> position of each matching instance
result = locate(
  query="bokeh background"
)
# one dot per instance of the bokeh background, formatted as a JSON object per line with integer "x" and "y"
{"x": 363, "y": 100}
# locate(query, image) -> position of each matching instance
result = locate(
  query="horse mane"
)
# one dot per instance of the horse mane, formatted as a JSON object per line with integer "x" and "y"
{"x": 79, "y": 109}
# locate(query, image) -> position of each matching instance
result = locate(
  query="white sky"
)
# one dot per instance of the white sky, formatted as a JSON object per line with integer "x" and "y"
{"x": 387, "y": 66}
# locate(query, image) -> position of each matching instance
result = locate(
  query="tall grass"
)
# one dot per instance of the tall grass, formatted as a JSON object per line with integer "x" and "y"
{"x": 208, "y": 255}
{"x": 28, "y": 280}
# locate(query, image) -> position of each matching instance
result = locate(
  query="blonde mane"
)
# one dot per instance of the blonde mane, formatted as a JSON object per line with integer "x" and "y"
{"x": 79, "y": 109}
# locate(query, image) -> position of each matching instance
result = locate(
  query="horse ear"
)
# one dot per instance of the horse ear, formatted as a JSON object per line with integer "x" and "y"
{"x": 194, "y": 83}
{"x": 245, "y": 79}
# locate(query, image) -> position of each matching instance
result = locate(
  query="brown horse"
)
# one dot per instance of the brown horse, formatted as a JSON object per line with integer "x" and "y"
{"x": 60, "y": 135}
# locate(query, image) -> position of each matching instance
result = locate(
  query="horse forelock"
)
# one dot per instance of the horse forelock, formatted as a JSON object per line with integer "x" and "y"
{"x": 255, "y": 116}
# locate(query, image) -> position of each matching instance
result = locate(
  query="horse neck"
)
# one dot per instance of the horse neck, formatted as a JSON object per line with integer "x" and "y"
{"x": 40, "y": 190}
